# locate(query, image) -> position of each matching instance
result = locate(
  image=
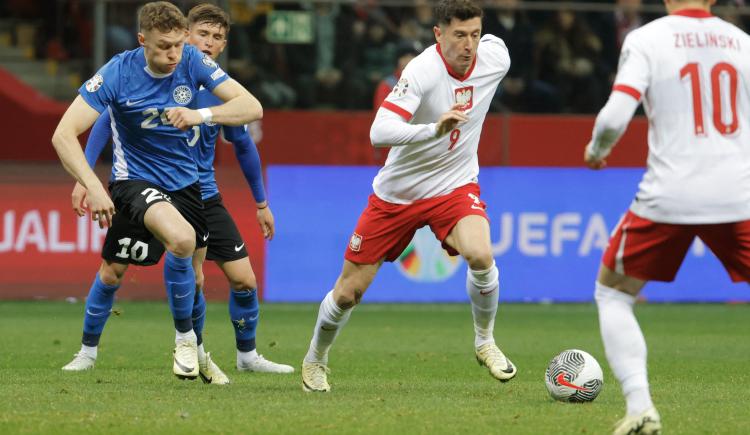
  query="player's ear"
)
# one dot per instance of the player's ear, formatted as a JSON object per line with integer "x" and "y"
{"x": 141, "y": 39}
{"x": 436, "y": 31}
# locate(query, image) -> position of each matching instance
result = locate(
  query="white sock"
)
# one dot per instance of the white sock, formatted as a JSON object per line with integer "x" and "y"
{"x": 185, "y": 336}
{"x": 246, "y": 356}
{"x": 201, "y": 353}
{"x": 331, "y": 318}
{"x": 624, "y": 345}
{"x": 483, "y": 289}
{"x": 89, "y": 351}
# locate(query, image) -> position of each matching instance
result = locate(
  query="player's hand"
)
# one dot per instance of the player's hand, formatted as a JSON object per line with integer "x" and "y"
{"x": 593, "y": 162}
{"x": 101, "y": 206}
{"x": 78, "y": 197}
{"x": 184, "y": 118}
{"x": 450, "y": 119}
{"x": 265, "y": 220}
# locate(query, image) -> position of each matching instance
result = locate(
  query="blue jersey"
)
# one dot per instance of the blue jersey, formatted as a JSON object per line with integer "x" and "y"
{"x": 145, "y": 145}
{"x": 203, "y": 144}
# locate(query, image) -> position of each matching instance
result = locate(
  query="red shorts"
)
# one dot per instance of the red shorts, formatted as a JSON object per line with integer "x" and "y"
{"x": 653, "y": 251}
{"x": 384, "y": 229}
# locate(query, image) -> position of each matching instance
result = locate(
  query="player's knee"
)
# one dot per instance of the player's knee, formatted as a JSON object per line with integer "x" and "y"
{"x": 348, "y": 296}
{"x": 182, "y": 245}
{"x": 111, "y": 275}
{"x": 479, "y": 258}
{"x": 244, "y": 282}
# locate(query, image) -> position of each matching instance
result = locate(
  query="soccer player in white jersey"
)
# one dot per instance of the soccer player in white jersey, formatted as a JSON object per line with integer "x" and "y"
{"x": 691, "y": 71}
{"x": 432, "y": 121}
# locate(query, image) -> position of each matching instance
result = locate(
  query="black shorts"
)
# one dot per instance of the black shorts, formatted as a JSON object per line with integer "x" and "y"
{"x": 128, "y": 241}
{"x": 225, "y": 242}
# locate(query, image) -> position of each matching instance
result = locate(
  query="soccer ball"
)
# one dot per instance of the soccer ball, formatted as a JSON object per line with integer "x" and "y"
{"x": 574, "y": 376}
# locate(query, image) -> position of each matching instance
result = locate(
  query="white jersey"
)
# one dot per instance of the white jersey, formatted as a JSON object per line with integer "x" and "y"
{"x": 693, "y": 71}
{"x": 427, "y": 89}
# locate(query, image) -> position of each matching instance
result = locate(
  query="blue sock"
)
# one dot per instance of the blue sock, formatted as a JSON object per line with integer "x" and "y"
{"x": 98, "y": 306}
{"x": 199, "y": 314}
{"x": 243, "y": 311}
{"x": 180, "y": 282}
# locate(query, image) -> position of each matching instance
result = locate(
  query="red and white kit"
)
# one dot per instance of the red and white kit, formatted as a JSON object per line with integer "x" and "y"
{"x": 692, "y": 72}
{"x": 423, "y": 171}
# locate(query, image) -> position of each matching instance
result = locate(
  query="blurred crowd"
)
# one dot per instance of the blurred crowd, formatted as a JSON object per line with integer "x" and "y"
{"x": 563, "y": 60}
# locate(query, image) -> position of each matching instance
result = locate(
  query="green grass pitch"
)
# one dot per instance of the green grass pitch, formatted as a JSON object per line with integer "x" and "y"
{"x": 395, "y": 369}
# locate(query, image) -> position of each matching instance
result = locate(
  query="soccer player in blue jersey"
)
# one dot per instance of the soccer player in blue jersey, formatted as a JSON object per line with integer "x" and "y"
{"x": 154, "y": 181}
{"x": 208, "y": 27}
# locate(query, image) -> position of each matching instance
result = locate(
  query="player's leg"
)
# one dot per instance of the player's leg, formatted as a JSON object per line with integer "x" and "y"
{"x": 244, "y": 312}
{"x": 228, "y": 250}
{"x": 470, "y": 237}
{"x": 639, "y": 251}
{"x": 334, "y": 312}
{"x": 98, "y": 307}
{"x": 166, "y": 223}
{"x": 382, "y": 233}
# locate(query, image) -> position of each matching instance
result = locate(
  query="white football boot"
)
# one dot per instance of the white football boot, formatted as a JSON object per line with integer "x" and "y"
{"x": 210, "y": 373}
{"x": 490, "y": 356}
{"x": 262, "y": 365}
{"x": 315, "y": 377}
{"x": 81, "y": 361}
{"x": 646, "y": 423}
{"x": 186, "y": 359}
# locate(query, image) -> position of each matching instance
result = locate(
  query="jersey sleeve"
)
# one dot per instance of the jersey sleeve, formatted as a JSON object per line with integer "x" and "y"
{"x": 98, "y": 138}
{"x": 634, "y": 69}
{"x": 101, "y": 90}
{"x": 406, "y": 96}
{"x": 204, "y": 70}
{"x": 497, "y": 52}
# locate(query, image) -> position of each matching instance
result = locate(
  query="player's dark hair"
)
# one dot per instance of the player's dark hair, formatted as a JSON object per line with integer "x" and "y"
{"x": 211, "y": 14}
{"x": 447, "y": 10}
{"x": 162, "y": 16}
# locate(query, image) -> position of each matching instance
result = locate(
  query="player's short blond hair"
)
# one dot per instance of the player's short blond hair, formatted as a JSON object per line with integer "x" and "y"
{"x": 208, "y": 13}
{"x": 162, "y": 16}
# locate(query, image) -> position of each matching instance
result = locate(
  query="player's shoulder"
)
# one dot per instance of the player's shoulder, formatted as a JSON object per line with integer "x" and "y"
{"x": 423, "y": 67}
{"x": 192, "y": 54}
{"x": 494, "y": 50}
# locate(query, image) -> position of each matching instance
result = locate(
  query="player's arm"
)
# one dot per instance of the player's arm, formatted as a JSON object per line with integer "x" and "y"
{"x": 247, "y": 155}
{"x": 98, "y": 139}
{"x": 610, "y": 124}
{"x": 240, "y": 107}
{"x": 392, "y": 129}
{"x": 76, "y": 120}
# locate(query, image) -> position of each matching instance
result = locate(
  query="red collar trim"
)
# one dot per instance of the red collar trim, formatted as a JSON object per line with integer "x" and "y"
{"x": 693, "y": 13}
{"x": 454, "y": 74}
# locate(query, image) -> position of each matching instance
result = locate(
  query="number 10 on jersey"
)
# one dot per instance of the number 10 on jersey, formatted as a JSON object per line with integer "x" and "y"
{"x": 719, "y": 71}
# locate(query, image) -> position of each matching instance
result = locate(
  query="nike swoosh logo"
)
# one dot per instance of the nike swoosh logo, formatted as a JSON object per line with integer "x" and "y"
{"x": 252, "y": 319}
{"x": 326, "y": 329}
{"x": 485, "y": 293}
{"x": 183, "y": 368}
{"x": 561, "y": 380}
{"x": 205, "y": 237}
{"x": 181, "y": 296}
{"x": 133, "y": 103}
{"x": 476, "y": 207}
{"x": 237, "y": 248}
{"x": 94, "y": 314}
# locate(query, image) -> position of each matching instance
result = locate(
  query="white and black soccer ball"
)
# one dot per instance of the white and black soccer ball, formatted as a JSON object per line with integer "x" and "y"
{"x": 574, "y": 376}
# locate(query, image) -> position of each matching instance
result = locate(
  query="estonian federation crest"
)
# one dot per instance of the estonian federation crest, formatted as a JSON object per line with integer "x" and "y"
{"x": 94, "y": 83}
{"x": 182, "y": 95}
{"x": 465, "y": 97}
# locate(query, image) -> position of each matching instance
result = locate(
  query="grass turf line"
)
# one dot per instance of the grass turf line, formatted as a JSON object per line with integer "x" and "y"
{"x": 395, "y": 369}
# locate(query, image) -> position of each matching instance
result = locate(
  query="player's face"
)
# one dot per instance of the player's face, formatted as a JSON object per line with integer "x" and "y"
{"x": 163, "y": 51}
{"x": 459, "y": 41}
{"x": 208, "y": 38}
